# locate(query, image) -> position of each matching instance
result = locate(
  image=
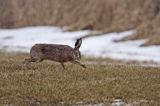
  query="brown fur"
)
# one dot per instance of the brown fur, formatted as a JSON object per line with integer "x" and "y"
{"x": 55, "y": 52}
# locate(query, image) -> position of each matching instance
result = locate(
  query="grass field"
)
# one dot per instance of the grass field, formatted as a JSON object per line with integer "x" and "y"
{"x": 47, "y": 84}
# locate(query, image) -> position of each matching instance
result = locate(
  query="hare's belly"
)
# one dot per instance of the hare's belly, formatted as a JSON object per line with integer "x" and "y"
{"x": 59, "y": 56}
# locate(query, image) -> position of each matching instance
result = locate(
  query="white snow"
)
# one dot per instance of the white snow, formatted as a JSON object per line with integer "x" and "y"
{"x": 22, "y": 39}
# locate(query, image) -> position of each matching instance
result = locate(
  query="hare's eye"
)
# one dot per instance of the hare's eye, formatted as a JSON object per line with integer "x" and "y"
{"x": 77, "y": 54}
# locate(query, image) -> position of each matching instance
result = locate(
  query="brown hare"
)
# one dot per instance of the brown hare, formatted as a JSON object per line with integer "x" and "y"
{"x": 55, "y": 52}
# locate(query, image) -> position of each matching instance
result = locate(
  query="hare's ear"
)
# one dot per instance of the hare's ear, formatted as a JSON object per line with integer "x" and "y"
{"x": 78, "y": 43}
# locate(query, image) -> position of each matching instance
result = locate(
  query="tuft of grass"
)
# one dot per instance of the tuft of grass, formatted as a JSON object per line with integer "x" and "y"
{"x": 47, "y": 83}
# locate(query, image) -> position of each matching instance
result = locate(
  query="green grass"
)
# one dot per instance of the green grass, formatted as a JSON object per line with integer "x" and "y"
{"x": 47, "y": 84}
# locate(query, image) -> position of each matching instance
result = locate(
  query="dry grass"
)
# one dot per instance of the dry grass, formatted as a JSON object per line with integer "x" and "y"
{"x": 47, "y": 84}
{"x": 155, "y": 40}
{"x": 149, "y": 30}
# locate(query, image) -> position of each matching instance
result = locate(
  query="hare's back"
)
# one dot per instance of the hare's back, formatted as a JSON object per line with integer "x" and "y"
{"x": 53, "y": 51}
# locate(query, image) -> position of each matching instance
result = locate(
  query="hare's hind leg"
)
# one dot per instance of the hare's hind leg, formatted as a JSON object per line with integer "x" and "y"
{"x": 63, "y": 66}
{"x": 39, "y": 60}
{"x": 28, "y": 61}
{"x": 77, "y": 62}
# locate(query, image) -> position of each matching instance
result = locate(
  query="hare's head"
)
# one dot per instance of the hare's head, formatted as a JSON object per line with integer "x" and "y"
{"x": 76, "y": 49}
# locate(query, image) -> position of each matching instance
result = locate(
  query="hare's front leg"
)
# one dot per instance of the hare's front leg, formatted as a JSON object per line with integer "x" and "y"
{"x": 77, "y": 62}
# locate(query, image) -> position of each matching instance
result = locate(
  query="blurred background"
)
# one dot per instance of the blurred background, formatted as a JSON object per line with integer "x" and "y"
{"x": 106, "y": 16}
{"x": 111, "y": 15}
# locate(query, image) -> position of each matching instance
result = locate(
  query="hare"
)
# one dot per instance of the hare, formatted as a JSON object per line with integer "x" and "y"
{"x": 55, "y": 52}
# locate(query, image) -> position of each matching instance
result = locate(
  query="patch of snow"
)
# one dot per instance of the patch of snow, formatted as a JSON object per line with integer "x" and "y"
{"x": 22, "y": 39}
{"x": 118, "y": 102}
